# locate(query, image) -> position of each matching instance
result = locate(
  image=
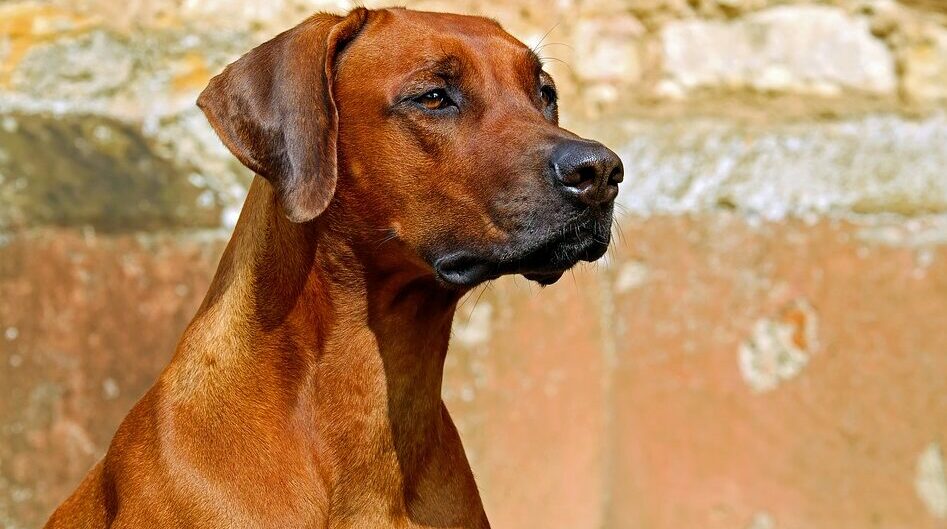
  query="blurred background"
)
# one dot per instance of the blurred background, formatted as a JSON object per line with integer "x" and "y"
{"x": 765, "y": 347}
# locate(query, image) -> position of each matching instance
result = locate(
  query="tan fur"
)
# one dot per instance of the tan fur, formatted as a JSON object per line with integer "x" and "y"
{"x": 306, "y": 392}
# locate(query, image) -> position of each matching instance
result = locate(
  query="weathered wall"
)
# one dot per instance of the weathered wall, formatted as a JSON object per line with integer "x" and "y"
{"x": 764, "y": 347}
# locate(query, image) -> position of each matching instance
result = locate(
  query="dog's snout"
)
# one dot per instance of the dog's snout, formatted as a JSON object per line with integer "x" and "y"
{"x": 588, "y": 171}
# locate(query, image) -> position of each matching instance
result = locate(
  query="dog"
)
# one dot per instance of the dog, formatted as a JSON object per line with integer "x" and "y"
{"x": 401, "y": 159}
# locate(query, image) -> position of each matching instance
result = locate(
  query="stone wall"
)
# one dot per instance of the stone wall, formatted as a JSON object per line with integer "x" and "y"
{"x": 763, "y": 348}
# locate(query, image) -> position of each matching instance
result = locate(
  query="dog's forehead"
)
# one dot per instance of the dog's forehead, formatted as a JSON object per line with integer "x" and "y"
{"x": 436, "y": 23}
{"x": 397, "y": 41}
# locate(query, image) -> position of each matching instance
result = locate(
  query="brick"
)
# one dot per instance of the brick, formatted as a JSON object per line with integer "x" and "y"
{"x": 775, "y": 50}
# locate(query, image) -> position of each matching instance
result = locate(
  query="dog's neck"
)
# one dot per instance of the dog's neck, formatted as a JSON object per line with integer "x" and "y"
{"x": 327, "y": 333}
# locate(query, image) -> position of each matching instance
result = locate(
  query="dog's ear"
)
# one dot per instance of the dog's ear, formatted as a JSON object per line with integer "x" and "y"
{"x": 274, "y": 109}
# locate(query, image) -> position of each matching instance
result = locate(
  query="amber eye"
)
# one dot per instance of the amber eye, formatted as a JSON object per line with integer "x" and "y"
{"x": 549, "y": 95}
{"x": 434, "y": 100}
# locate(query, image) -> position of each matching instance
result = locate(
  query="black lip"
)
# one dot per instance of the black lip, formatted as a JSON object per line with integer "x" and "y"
{"x": 544, "y": 263}
{"x": 463, "y": 269}
{"x": 544, "y": 278}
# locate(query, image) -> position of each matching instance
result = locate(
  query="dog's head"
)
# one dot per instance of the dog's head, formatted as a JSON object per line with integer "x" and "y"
{"x": 431, "y": 134}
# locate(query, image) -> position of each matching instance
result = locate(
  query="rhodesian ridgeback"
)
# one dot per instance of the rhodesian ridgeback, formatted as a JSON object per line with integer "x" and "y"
{"x": 402, "y": 158}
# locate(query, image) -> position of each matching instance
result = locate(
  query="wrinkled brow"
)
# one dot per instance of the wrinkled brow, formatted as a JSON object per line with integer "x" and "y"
{"x": 443, "y": 67}
{"x": 437, "y": 69}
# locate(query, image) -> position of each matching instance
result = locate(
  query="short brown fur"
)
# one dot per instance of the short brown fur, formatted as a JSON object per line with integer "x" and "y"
{"x": 306, "y": 392}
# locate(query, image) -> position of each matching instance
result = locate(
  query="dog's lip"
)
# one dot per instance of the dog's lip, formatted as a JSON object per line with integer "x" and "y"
{"x": 466, "y": 269}
{"x": 544, "y": 278}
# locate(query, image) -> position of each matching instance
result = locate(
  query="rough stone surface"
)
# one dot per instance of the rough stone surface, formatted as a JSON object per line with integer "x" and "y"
{"x": 95, "y": 64}
{"x": 836, "y": 446}
{"x": 925, "y": 66}
{"x": 931, "y": 480}
{"x": 83, "y": 170}
{"x": 793, "y": 48}
{"x": 609, "y": 49}
{"x": 881, "y": 164}
{"x": 142, "y": 64}
{"x": 763, "y": 347}
{"x": 86, "y": 323}
{"x": 779, "y": 348}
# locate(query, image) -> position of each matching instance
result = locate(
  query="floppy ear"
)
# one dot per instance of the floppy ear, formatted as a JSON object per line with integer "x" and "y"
{"x": 274, "y": 109}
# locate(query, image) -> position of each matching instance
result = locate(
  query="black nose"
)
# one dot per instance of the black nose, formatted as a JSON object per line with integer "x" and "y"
{"x": 587, "y": 171}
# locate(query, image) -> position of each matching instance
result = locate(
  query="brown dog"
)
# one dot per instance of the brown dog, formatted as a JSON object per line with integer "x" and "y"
{"x": 405, "y": 158}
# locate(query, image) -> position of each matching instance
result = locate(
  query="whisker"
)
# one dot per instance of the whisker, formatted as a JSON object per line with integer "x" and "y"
{"x": 620, "y": 232}
{"x": 480, "y": 295}
{"x": 390, "y": 237}
{"x": 541, "y": 39}
{"x": 567, "y": 65}
{"x": 553, "y": 44}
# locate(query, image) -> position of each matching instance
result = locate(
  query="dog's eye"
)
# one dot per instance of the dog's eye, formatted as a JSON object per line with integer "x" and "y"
{"x": 549, "y": 95}
{"x": 434, "y": 99}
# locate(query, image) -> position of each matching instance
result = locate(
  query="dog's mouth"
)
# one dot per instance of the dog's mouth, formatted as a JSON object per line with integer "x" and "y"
{"x": 543, "y": 262}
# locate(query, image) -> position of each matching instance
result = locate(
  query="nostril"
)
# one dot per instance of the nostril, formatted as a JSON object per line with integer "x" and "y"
{"x": 577, "y": 175}
{"x": 584, "y": 177}
{"x": 617, "y": 175}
